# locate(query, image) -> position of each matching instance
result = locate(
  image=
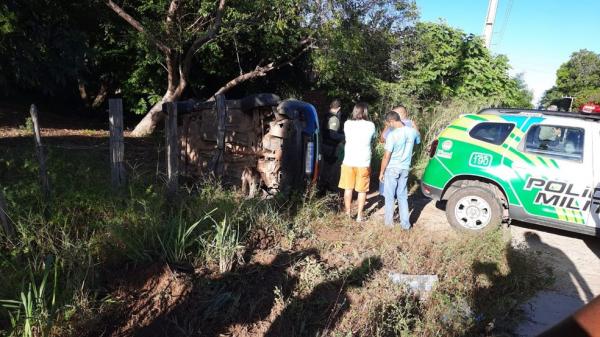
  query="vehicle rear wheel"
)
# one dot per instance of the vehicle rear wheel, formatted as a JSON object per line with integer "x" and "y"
{"x": 473, "y": 209}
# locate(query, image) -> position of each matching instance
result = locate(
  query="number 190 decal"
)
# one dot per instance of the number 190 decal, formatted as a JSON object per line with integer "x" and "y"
{"x": 479, "y": 159}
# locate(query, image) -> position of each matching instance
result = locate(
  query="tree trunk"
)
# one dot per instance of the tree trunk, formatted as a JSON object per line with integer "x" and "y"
{"x": 147, "y": 125}
{"x": 83, "y": 92}
{"x": 101, "y": 96}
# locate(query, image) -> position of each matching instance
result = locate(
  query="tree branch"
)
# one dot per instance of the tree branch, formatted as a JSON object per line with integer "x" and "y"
{"x": 136, "y": 25}
{"x": 260, "y": 71}
{"x": 200, "y": 41}
{"x": 173, "y": 7}
{"x": 257, "y": 72}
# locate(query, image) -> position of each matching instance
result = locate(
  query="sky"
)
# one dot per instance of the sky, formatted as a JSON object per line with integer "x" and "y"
{"x": 536, "y": 35}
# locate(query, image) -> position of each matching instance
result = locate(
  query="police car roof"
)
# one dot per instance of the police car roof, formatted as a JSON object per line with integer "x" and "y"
{"x": 578, "y": 115}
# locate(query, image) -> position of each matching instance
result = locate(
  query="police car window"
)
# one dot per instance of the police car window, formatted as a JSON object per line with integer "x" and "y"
{"x": 556, "y": 141}
{"x": 494, "y": 133}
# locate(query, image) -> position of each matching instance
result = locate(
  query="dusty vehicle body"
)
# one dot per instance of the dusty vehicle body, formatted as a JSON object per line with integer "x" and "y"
{"x": 275, "y": 142}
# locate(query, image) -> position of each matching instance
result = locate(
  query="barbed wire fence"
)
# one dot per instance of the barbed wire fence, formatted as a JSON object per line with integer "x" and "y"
{"x": 114, "y": 148}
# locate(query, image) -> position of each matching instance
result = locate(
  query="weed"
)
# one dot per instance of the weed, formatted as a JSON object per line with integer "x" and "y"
{"x": 27, "y": 128}
{"x": 34, "y": 312}
{"x": 224, "y": 246}
{"x": 180, "y": 242}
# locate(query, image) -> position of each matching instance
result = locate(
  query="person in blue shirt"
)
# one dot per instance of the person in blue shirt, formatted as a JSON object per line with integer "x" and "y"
{"x": 395, "y": 167}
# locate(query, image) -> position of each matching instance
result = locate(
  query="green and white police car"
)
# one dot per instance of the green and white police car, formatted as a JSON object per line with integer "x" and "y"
{"x": 536, "y": 166}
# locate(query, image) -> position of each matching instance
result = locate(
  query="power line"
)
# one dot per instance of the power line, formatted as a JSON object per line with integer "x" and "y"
{"x": 505, "y": 22}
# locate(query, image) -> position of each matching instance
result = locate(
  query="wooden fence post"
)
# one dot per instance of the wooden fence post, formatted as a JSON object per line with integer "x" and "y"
{"x": 221, "y": 120}
{"x": 9, "y": 230}
{"x": 117, "y": 146}
{"x": 172, "y": 141}
{"x": 39, "y": 149}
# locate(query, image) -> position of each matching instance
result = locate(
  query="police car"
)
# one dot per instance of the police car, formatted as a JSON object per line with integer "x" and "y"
{"x": 536, "y": 166}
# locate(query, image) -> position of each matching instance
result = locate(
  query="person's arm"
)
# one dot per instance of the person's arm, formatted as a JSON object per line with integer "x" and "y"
{"x": 389, "y": 147}
{"x": 415, "y": 126}
{"x": 337, "y": 135}
{"x": 334, "y": 129}
{"x": 584, "y": 322}
{"x": 384, "y": 163}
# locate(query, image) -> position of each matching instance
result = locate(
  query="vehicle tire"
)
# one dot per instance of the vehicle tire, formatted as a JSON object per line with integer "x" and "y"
{"x": 473, "y": 209}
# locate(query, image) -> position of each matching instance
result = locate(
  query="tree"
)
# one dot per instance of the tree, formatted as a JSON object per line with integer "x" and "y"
{"x": 178, "y": 41}
{"x": 214, "y": 40}
{"x": 579, "y": 77}
{"x": 355, "y": 39}
{"x": 436, "y": 63}
{"x": 581, "y": 71}
{"x": 40, "y": 48}
{"x": 61, "y": 49}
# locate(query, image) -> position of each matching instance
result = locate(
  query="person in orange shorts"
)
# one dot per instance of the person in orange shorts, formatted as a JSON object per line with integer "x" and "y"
{"x": 356, "y": 168}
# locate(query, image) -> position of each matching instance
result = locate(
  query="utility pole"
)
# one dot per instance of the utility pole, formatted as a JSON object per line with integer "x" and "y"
{"x": 488, "y": 28}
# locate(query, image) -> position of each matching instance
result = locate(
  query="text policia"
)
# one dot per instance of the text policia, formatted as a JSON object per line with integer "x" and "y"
{"x": 562, "y": 194}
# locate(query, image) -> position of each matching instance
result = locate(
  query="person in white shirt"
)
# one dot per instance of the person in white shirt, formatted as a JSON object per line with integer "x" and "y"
{"x": 356, "y": 167}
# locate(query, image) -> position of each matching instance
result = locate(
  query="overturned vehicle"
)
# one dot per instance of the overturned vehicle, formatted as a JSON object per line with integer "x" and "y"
{"x": 258, "y": 143}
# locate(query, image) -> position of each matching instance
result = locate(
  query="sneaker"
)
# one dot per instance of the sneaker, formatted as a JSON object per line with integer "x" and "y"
{"x": 360, "y": 218}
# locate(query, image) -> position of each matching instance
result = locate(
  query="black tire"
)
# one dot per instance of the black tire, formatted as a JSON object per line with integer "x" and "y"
{"x": 474, "y": 209}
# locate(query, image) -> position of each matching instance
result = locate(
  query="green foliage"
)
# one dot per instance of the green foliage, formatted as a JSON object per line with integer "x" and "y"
{"x": 180, "y": 242}
{"x": 34, "y": 312}
{"x": 224, "y": 246}
{"x": 355, "y": 45}
{"x": 587, "y": 95}
{"x": 7, "y": 20}
{"x": 582, "y": 71}
{"x": 435, "y": 63}
{"x": 579, "y": 77}
{"x": 364, "y": 50}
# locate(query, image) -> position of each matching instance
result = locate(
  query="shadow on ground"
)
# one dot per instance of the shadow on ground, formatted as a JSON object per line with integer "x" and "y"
{"x": 256, "y": 299}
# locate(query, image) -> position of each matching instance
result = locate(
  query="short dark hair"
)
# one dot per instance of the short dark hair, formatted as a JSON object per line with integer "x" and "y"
{"x": 392, "y": 116}
{"x": 360, "y": 111}
{"x": 336, "y": 103}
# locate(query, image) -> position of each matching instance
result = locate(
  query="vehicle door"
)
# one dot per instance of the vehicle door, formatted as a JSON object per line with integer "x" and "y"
{"x": 554, "y": 172}
{"x": 593, "y": 220}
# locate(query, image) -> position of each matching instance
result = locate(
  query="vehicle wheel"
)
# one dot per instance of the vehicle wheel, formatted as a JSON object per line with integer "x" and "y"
{"x": 473, "y": 209}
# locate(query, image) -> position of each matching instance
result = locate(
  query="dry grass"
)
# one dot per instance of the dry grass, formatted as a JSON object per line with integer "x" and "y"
{"x": 481, "y": 280}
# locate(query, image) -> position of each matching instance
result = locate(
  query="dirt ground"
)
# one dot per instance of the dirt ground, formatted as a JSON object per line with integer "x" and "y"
{"x": 574, "y": 258}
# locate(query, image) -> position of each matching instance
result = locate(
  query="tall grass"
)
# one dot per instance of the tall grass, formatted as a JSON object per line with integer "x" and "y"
{"x": 180, "y": 241}
{"x": 92, "y": 230}
{"x": 433, "y": 121}
{"x": 224, "y": 245}
{"x": 33, "y": 313}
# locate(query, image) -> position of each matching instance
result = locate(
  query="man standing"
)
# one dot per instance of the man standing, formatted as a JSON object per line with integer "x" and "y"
{"x": 405, "y": 118}
{"x": 332, "y": 136}
{"x": 395, "y": 167}
{"x": 356, "y": 167}
{"x": 403, "y": 113}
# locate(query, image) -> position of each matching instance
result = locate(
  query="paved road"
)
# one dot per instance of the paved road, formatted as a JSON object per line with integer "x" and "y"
{"x": 574, "y": 258}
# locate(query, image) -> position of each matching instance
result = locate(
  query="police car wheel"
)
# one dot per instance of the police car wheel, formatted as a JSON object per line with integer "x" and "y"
{"x": 473, "y": 209}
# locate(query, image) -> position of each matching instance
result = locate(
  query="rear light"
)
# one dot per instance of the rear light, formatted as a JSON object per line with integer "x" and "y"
{"x": 433, "y": 148}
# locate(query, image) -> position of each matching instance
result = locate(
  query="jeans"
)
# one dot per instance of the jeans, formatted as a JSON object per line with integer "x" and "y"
{"x": 395, "y": 181}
